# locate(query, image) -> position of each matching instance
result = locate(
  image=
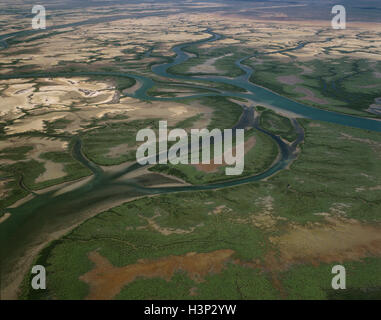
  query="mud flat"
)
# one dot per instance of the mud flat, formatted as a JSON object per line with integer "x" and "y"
{"x": 4, "y": 217}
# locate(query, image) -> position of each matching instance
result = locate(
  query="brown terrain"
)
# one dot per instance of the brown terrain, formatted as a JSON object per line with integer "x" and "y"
{"x": 106, "y": 281}
{"x": 213, "y": 167}
{"x": 336, "y": 239}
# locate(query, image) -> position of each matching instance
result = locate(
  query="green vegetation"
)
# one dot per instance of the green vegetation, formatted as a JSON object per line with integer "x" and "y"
{"x": 26, "y": 172}
{"x": 51, "y": 127}
{"x": 257, "y": 160}
{"x": 18, "y": 153}
{"x": 224, "y": 63}
{"x": 21, "y": 176}
{"x": 74, "y": 170}
{"x": 98, "y": 142}
{"x": 336, "y": 176}
{"x": 187, "y": 123}
{"x": 240, "y": 283}
{"x": 107, "y": 232}
{"x": 122, "y": 83}
{"x": 342, "y": 85}
{"x": 14, "y": 41}
{"x": 207, "y": 221}
{"x": 224, "y": 87}
{"x": 13, "y": 193}
{"x": 225, "y": 113}
{"x": 362, "y": 281}
{"x": 277, "y": 124}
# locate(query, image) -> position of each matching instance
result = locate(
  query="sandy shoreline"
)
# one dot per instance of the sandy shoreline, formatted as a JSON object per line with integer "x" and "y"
{"x": 4, "y": 217}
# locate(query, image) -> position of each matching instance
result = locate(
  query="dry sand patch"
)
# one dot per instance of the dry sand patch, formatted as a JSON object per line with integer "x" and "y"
{"x": 71, "y": 185}
{"x": 208, "y": 66}
{"x": 53, "y": 170}
{"x": 163, "y": 230}
{"x": 33, "y": 123}
{"x": 13, "y": 100}
{"x": 336, "y": 240}
{"x": 4, "y": 217}
{"x": 134, "y": 88}
{"x": 173, "y": 112}
{"x": 3, "y": 186}
{"x": 220, "y": 209}
{"x": 52, "y": 95}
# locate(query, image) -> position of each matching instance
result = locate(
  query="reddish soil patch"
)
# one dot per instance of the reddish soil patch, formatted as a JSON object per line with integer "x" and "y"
{"x": 309, "y": 95}
{"x": 213, "y": 167}
{"x": 106, "y": 281}
{"x": 334, "y": 240}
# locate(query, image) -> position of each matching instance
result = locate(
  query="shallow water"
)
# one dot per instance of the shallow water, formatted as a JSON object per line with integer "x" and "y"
{"x": 32, "y": 222}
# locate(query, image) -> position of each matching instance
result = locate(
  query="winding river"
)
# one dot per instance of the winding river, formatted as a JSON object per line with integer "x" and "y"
{"x": 32, "y": 224}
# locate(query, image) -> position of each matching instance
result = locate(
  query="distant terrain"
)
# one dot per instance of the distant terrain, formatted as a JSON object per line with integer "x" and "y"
{"x": 73, "y": 199}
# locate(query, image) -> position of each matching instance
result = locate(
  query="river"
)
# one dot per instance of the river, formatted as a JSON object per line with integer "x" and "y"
{"x": 32, "y": 224}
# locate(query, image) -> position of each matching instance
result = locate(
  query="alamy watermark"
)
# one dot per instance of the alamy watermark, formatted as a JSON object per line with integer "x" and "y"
{"x": 39, "y": 20}
{"x": 189, "y": 147}
{"x": 339, "y": 280}
{"x": 39, "y": 280}
{"x": 340, "y": 18}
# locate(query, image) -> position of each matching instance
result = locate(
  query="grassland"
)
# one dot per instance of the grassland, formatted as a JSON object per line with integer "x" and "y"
{"x": 225, "y": 113}
{"x": 277, "y": 239}
{"x": 343, "y": 85}
{"x": 277, "y": 124}
{"x": 21, "y": 175}
{"x": 320, "y": 194}
{"x": 257, "y": 160}
{"x": 97, "y": 142}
